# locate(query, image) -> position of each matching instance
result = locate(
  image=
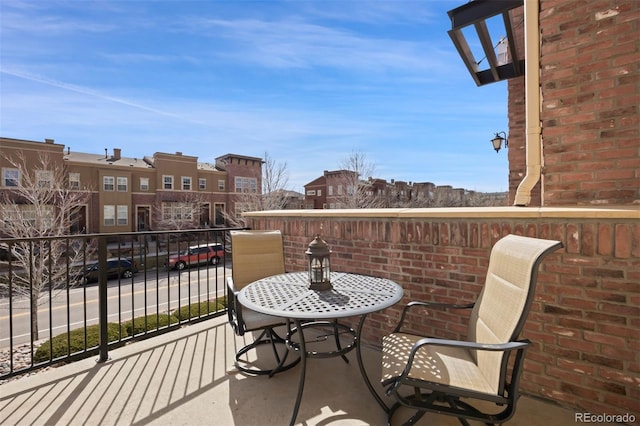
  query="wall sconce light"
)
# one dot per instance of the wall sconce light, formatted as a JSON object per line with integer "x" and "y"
{"x": 497, "y": 141}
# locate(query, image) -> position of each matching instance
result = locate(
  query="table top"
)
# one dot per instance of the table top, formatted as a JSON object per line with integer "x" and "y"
{"x": 288, "y": 296}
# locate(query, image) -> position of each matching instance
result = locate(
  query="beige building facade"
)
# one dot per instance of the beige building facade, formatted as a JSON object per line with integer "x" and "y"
{"x": 129, "y": 194}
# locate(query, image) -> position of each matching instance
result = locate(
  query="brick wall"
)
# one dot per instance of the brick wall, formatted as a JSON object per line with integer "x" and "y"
{"x": 590, "y": 90}
{"x": 585, "y": 319}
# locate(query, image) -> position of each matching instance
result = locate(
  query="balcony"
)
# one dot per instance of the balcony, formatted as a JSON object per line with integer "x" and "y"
{"x": 583, "y": 325}
{"x": 187, "y": 377}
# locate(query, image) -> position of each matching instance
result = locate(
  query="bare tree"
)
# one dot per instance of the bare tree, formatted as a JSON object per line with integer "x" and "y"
{"x": 358, "y": 192}
{"x": 40, "y": 206}
{"x": 275, "y": 179}
{"x": 272, "y": 196}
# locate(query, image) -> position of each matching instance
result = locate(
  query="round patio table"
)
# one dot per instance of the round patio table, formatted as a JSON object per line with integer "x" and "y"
{"x": 288, "y": 296}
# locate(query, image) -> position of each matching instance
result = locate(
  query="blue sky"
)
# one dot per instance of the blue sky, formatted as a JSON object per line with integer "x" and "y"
{"x": 307, "y": 82}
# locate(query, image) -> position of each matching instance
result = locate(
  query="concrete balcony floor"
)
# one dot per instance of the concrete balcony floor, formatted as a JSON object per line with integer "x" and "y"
{"x": 187, "y": 377}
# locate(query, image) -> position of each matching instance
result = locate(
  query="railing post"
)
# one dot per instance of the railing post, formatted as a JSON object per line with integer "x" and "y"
{"x": 102, "y": 299}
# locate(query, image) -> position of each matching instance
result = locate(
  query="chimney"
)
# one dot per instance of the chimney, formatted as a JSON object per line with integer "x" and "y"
{"x": 49, "y": 141}
{"x": 178, "y": 153}
{"x": 117, "y": 153}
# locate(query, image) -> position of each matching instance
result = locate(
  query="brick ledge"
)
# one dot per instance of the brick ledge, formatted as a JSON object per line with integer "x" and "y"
{"x": 630, "y": 212}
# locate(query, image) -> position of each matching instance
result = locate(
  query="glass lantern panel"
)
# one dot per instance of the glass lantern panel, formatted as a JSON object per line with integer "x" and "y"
{"x": 326, "y": 269}
{"x": 315, "y": 271}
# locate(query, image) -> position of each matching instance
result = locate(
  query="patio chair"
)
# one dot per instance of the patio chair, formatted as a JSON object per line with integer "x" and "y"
{"x": 441, "y": 373}
{"x": 255, "y": 255}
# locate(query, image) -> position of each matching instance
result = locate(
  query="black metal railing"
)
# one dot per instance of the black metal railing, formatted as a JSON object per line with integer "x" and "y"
{"x": 66, "y": 298}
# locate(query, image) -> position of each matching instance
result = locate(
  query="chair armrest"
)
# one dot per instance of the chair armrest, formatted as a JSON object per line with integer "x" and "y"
{"x": 432, "y": 305}
{"x": 440, "y": 305}
{"x": 234, "y": 310}
{"x": 495, "y": 347}
{"x": 231, "y": 286}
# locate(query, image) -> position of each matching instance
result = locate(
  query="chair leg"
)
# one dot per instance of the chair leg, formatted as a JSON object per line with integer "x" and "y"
{"x": 270, "y": 337}
{"x": 276, "y": 339}
{"x": 456, "y": 403}
{"x": 429, "y": 401}
{"x": 415, "y": 418}
{"x": 336, "y": 336}
{"x": 411, "y": 421}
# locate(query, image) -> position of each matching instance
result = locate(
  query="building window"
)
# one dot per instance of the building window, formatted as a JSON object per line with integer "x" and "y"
{"x": 241, "y": 208}
{"x": 350, "y": 190}
{"x": 168, "y": 182}
{"x": 17, "y": 213}
{"x": 339, "y": 189}
{"x": 109, "y": 215}
{"x": 221, "y": 184}
{"x": 177, "y": 211}
{"x": 123, "y": 215}
{"x": 330, "y": 189}
{"x": 123, "y": 184}
{"x": 319, "y": 192}
{"x": 108, "y": 183}
{"x": 10, "y": 177}
{"x": 186, "y": 183}
{"x": 40, "y": 218}
{"x": 44, "y": 178}
{"x": 202, "y": 183}
{"x": 311, "y": 192}
{"x": 245, "y": 184}
{"x": 74, "y": 180}
{"x": 144, "y": 184}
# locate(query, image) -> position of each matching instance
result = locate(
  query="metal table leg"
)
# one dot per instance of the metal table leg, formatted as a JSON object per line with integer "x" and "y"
{"x": 305, "y": 354}
{"x": 362, "y": 369}
{"x": 303, "y": 370}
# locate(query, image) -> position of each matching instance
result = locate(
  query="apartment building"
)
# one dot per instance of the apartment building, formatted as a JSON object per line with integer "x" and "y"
{"x": 315, "y": 193}
{"x": 137, "y": 194}
{"x": 342, "y": 188}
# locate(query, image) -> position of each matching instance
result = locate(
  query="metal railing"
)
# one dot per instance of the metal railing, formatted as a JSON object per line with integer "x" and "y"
{"x": 67, "y": 298}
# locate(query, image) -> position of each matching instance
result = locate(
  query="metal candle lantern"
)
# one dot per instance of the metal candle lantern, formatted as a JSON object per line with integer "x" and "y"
{"x": 319, "y": 266}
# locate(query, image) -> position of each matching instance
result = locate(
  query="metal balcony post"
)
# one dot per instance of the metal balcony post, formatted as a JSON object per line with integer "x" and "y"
{"x": 102, "y": 299}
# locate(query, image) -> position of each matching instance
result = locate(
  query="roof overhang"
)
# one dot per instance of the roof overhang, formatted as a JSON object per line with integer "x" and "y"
{"x": 476, "y": 13}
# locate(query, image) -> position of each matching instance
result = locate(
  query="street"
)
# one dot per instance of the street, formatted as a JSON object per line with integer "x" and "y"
{"x": 163, "y": 291}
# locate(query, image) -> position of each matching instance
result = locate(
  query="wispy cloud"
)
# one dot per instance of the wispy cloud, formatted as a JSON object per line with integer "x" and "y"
{"x": 373, "y": 12}
{"x": 87, "y": 91}
{"x": 37, "y": 17}
{"x": 295, "y": 43}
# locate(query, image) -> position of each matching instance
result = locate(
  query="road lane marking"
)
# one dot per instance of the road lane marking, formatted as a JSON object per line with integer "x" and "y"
{"x": 45, "y": 308}
{"x": 92, "y": 321}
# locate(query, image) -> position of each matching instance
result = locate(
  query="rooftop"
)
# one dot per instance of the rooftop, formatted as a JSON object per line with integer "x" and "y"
{"x": 81, "y": 157}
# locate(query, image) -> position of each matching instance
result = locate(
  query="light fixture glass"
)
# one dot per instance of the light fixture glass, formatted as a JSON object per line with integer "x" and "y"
{"x": 497, "y": 141}
{"x": 318, "y": 254}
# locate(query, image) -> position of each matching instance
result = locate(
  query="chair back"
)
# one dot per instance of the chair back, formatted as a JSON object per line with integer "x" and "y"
{"x": 255, "y": 255}
{"x": 503, "y": 305}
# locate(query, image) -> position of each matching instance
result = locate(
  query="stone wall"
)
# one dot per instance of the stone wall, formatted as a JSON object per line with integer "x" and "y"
{"x": 585, "y": 319}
